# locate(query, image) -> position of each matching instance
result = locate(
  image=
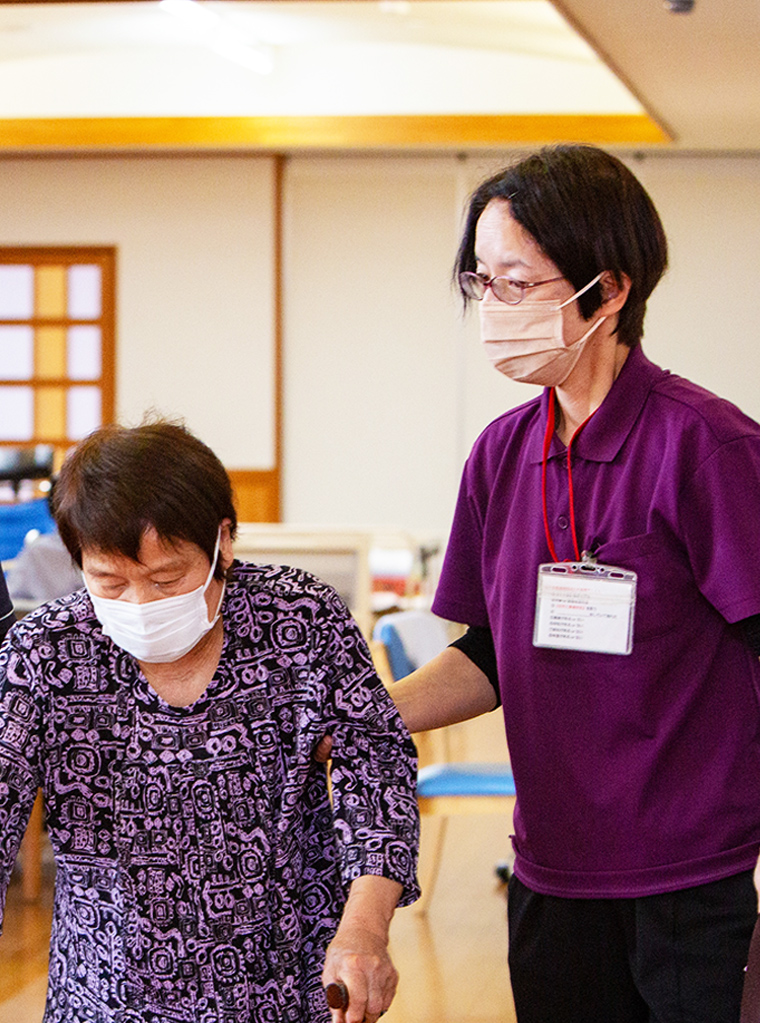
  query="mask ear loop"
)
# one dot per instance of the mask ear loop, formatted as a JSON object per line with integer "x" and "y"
{"x": 211, "y": 576}
{"x": 593, "y": 326}
{"x": 217, "y": 547}
{"x": 583, "y": 291}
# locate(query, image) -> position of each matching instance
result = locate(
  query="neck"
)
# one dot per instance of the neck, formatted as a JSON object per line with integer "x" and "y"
{"x": 182, "y": 682}
{"x": 587, "y": 387}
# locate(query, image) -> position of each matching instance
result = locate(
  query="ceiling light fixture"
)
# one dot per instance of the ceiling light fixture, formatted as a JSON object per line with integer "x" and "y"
{"x": 394, "y": 6}
{"x": 679, "y": 6}
{"x": 219, "y": 36}
{"x": 191, "y": 12}
{"x": 255, "y": 58}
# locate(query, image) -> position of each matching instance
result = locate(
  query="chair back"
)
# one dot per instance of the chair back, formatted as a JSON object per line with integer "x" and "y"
{"x": 411, "y": 639}
{"x": 338, "y": 557}
{"x": 16, "y": 520}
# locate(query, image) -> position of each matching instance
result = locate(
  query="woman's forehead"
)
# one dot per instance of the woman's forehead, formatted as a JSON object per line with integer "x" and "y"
{"x": 502, "y": 240}
{"x": 155, "y": 553}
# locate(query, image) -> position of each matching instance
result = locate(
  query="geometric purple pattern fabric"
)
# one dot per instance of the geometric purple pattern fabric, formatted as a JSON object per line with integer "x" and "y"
{"x": 201, "y": 868}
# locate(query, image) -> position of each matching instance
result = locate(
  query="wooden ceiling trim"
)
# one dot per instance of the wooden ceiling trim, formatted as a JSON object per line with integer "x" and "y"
{"x": 269, "y": 134}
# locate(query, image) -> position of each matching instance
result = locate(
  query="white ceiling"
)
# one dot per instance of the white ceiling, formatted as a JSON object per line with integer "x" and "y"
{"x": 328, "y": 58}
{"x": 697, "y": 75}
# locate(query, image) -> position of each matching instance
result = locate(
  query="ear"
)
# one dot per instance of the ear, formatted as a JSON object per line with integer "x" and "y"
{"x": 226, "y": 553}
{"x": 614, "y": 295}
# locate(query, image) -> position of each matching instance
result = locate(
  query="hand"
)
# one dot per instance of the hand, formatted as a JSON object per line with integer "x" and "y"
{"x": 323, "y": 749}
{"x": 360, "y": 961}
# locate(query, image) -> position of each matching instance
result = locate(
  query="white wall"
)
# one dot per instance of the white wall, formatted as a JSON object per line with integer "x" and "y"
{"x": 385, "y": 386}
{"x": 703, "y": 320}
{"x": 194, "y": 281}
{"x": 370, "y": 360}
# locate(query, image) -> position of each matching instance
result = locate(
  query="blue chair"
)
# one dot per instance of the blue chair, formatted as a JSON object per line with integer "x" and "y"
{"x": 445, "y": 787}
{"x": 17, "y": 519}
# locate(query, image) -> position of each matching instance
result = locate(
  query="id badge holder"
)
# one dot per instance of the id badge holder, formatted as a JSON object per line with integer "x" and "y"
{"x": 581, "y": 605}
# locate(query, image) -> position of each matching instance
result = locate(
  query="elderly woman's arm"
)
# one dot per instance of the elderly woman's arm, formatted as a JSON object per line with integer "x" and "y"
{"x": 19, "y": 750}
{"x": 375, "y": 816}
{"x": 358, "y": 955}
{"x": 448, "y": 689}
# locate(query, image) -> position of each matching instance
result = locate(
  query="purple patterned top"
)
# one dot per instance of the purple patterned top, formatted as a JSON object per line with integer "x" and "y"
{"x": 200, "y": 870}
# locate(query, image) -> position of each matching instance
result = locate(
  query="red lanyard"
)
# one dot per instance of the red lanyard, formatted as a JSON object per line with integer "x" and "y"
{"x": 550, "y": 419}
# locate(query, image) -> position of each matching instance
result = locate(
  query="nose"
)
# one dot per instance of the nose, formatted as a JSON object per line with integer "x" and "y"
{"x": 488, "y": 294}
{"x": 139, "y": 593}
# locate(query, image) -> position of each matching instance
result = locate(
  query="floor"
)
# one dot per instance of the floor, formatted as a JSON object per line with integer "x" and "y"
{"x": 23, "y": 954}
{"x": 451, "y": 961}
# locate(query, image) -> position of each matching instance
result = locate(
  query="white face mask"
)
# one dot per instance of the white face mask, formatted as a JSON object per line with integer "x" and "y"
{"x": 525, "y": 341}
{"x": 159, "y": 631}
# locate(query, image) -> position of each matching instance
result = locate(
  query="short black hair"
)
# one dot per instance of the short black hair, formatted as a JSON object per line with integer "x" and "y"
{"x": 120, "y": 481}
{"x": 588, "y": 213}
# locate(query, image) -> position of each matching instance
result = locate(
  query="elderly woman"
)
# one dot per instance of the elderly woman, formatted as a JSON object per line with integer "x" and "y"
{"x": 169, "y": 713}
{"x": 604, "y": 553}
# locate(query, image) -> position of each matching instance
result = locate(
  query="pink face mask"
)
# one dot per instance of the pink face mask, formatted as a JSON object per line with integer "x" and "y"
{"x": 525, "y": 342}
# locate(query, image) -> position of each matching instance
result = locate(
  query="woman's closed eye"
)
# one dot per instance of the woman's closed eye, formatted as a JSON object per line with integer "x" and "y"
{"x": 167, "y": 584}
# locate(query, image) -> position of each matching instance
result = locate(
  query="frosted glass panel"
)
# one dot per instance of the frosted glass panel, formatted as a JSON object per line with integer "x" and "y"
{"x": 16, "y": 353}
{"x": 83, "y": 411}
{"x": 16, "y": 292}
{"x": 84, "y": 292}
{"x": 83, "y": 353}
{"x": 16, "y": 413}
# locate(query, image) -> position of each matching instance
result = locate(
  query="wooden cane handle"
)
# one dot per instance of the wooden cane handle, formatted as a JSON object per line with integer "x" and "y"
{"x": 337, "y": 995}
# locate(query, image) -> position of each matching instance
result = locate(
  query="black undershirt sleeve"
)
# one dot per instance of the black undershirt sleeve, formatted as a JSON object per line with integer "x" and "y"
{"x": 751, "y": 628}
{"x": 477, "y": 644}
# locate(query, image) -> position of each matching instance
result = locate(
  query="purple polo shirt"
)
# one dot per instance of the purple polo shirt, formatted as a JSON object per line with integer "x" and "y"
{"x": 637, "y": 773}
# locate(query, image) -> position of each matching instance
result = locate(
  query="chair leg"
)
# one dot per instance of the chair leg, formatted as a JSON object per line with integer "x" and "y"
{"x": 503, "y": 871}
{"x": 431, "y": 852}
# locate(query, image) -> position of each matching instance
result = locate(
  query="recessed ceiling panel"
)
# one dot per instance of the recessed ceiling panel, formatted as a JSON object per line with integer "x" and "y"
{"x": 315, "y": 73}
{"x": 240, "y": 58}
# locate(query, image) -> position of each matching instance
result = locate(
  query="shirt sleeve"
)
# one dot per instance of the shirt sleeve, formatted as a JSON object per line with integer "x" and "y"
{"x": 19, "y": 753}
{"x": 459, "y": 596}
{"x": 719, "y": 512}
{"x": 374, "y": 765}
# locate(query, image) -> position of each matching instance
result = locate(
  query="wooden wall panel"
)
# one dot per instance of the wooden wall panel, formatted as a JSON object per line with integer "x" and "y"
{"x": 257, "y": 494}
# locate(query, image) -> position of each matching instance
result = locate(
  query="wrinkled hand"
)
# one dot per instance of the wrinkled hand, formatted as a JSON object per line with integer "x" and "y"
{"x": 360, "y": 960}
{"x": 323, "y": 749}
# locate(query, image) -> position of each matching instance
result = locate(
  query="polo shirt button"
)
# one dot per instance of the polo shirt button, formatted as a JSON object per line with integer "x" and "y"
{"x": 563, "y": 522}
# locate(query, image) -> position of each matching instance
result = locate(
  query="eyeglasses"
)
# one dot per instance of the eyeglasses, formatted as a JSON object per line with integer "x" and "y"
{"x": 504, "y": 288}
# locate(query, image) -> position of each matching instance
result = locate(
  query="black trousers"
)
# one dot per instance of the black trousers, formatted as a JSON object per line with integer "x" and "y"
{"x": 672, "y": 958}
